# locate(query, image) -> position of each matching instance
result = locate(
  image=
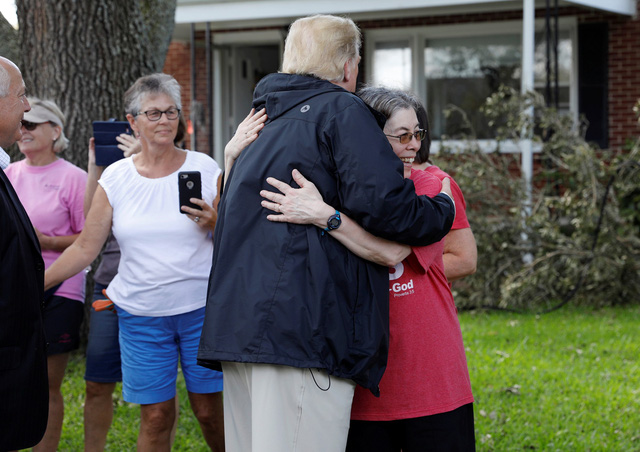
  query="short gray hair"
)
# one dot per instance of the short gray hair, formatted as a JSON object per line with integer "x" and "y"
{"x": 386, "y": 101}
{"x": 151, "y": 84}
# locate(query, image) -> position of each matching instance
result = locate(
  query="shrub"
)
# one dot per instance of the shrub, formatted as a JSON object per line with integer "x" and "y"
{"x": 580, "y": 231}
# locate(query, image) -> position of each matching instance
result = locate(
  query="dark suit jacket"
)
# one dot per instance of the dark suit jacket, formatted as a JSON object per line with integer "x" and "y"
{"x": 24, "y": 393}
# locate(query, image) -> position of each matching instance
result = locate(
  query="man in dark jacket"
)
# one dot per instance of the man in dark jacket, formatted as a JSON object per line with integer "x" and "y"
{"x": 294, "y": 317}
{"x": 24, "y": 390}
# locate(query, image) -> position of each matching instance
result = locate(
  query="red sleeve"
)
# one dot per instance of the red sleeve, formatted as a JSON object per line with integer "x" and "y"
{"x": 461, "y": 221}
{"x": 422, "y": 257}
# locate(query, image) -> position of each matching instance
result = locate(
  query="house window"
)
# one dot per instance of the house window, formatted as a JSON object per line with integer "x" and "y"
{"x": 392, "y": 64}
{"x": 463, "y": 72}
{"x": 565, "y": 69}
{"x": 462, "y": 65}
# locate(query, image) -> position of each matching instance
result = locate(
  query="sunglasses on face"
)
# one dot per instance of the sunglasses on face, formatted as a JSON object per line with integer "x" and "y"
{"x": 406, "y": 137}
{"x": 30, "y": 125}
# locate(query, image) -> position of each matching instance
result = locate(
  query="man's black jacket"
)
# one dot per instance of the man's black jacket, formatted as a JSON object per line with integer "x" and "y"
{"x": 287, "y": 294}
{"x": 24, "y": 387}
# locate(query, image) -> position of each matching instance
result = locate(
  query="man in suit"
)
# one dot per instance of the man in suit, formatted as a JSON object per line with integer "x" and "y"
{"x": 24, "y": 394}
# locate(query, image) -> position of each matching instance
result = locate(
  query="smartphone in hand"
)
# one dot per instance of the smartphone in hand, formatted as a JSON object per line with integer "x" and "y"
{"x": 189, "y": 186}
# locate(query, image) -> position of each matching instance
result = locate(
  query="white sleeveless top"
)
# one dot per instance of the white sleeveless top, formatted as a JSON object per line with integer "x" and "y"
{"x": 165, "y": 257}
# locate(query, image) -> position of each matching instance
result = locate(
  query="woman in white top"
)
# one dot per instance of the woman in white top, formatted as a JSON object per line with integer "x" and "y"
{"x": 161, "y": 285}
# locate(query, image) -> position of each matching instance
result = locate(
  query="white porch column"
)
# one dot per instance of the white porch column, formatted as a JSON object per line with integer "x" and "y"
{"x": 528, "y": 50}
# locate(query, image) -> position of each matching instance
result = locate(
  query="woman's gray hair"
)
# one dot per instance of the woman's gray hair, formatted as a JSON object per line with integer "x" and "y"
{"x": 386, "y": 101}
{"x": 151, "y": 84}
{"x": 5, "y": 81}
{"x": 62, "y": 142}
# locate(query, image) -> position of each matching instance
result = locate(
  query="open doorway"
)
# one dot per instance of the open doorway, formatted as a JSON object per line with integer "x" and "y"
{"x": 241, "y": 68}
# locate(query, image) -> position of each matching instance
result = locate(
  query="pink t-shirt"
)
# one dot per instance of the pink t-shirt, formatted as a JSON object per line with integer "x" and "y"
{"x": 53, "y": 195}
{"x": 461, "y": 221}
{"x": 427, "y": 367}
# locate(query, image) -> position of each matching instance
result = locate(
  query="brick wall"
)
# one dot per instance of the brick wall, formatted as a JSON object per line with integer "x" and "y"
{"x": 178, "y": 64}
{"x": 624, "y": 62}
{"x": 624, "y": 79}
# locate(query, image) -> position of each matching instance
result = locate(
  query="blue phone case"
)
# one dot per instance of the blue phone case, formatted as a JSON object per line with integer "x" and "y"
{"x": 105, "y": 133}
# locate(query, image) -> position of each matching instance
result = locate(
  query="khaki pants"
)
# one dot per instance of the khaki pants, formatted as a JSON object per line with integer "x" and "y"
{"x": 269, "y": 408}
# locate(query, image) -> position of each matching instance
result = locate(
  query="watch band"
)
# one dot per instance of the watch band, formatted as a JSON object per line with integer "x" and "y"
{"x": 333, "y": 222}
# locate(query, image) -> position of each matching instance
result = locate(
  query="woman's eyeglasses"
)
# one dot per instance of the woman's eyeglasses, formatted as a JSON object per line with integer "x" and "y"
{"x": 406, "y": 137}
{"x": 155, "y": 115}
{"x": 30, "y": 125}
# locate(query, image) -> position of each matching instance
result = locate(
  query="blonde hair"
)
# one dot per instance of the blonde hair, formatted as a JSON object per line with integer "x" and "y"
{"x": 320, "y": 45}
{"x": 62, "y": 142}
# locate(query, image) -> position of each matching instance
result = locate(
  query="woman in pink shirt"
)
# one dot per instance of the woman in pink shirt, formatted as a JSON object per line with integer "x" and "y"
{"x": 52, "y": 190}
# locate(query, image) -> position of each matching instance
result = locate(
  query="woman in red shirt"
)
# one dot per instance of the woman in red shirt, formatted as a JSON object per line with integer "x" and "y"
{"x": 425, "y": 398}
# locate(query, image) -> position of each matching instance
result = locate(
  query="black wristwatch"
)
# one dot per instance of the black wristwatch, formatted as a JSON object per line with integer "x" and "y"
{"x": 333, "y": 222}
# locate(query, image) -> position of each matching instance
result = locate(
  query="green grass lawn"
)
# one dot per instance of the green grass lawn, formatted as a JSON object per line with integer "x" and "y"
{"x": 565, "y": 381}
{"x": 126, "y": 417}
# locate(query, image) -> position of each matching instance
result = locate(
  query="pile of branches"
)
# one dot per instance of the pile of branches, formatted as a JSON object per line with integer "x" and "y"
{"x": 578, "y": 237}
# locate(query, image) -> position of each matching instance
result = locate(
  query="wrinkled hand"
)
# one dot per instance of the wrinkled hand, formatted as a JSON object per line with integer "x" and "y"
{"x": 246, "y": 133}
{"x": 128, "y": 144}
{"x": 206, "y": 218}
{"x": 302, "y": 205}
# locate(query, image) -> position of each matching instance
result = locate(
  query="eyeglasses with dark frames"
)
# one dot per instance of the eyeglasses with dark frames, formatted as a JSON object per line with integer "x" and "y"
{"x": 406, "y": 137}
{"x": 155, "y": 115}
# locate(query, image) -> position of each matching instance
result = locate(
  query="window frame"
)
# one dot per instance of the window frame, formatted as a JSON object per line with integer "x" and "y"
{"x": 416, "y": 37}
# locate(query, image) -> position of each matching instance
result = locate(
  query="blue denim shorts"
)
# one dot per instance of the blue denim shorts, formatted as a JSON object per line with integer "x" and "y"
{"x": 150, "y": 349}
{"x": 103, "y": 349}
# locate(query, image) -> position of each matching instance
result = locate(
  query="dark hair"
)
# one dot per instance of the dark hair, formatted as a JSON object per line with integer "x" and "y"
{"x": 423, "y": 119}
{"x": 181, "y": 133}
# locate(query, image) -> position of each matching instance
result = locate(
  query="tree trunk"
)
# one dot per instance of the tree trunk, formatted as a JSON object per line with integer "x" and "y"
{"x": 84, "y": 54}
{"x": 9, "y": 48}
{"x": 9, "y": 41}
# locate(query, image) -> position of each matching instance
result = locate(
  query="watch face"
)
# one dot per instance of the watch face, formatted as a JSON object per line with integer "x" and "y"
{"x": 333, "y": 222}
